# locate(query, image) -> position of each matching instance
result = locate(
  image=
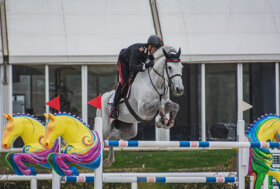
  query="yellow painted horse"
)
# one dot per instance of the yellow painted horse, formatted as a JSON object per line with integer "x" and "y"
{"x": 265, "y": 129}
{"x": 32, "y": 131}
{"x": 82, "y": 145}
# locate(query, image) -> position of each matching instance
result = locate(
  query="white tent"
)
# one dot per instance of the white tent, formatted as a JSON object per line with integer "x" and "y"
{"x": 222, "y": 30}
{"x": 94, "y": 31}
{"x": 78, "y": 31}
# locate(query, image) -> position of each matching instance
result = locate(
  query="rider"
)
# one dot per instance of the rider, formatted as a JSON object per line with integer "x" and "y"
{"x": 136, "y": 58}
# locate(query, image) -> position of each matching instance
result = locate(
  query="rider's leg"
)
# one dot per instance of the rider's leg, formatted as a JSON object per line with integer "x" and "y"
{"x": 123, "y": 77}
{"x": 114, "y": 109}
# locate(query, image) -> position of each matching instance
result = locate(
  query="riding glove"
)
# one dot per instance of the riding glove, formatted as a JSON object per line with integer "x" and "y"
{"x": 150, "y": 64}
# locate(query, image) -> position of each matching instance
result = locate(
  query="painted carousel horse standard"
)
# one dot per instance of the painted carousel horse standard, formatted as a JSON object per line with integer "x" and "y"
{"x": 82, "y": 145}
{"x": 148, "y": 96}
{"x": 265, "y": 129}
{"x": 32, "y": 131}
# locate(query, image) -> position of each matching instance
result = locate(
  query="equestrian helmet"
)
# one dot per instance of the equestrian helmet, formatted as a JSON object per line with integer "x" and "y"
{"x": 155, "y": 41}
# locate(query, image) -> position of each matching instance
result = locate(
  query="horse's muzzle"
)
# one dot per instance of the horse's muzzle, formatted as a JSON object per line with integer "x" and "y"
{"x": 5, "y": 145}
{"x": 178, "y": 91}
{"x": 46, "y": 144}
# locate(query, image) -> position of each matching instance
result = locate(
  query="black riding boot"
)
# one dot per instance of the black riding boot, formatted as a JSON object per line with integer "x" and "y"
{"x": 114, "y": 112}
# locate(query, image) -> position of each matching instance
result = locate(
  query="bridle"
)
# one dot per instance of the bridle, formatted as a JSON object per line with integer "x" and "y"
{"x": 169, "y": 81}
{"x": 175, "y": 75}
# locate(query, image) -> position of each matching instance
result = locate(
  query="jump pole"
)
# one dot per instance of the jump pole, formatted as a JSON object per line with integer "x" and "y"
{"x": 119, "y": 179}
{"x": 99, "y": 171}
{"x": 242, "y": 160}
{"x": 191, "y": 144}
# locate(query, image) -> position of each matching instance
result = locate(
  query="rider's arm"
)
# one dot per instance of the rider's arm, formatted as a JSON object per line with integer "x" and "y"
{"x": 134, "y": 62}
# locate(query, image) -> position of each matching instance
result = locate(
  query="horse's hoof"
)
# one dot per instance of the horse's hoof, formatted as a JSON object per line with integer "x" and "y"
{"x": 107, "y": 163}
{"x": 164, "y": 120}
{"x": 169, "y": 125}
{"x": 166, "y": 127}
{"x": 159, "y": 124}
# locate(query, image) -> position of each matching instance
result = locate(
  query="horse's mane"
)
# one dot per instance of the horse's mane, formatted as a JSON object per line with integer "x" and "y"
{"x": 18, "y": 115}
{"x": 159, "y": 53}
{"x": 72, "y": 116}
{"x": 251, "y": 131}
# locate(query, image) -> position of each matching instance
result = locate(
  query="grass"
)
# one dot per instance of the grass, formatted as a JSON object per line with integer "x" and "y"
{"x": 164, "y": 161}
{"x": 198, "y": 160}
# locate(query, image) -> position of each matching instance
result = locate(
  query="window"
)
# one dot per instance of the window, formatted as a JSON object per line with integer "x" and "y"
{"x": 221, "y": 105}
{"x": 259, "y": 90}
{"x": 101, "y": 79}
{"x": 187, "y": 125}
{"x": 28, "y": 92}
{"x": 65, "y": 82}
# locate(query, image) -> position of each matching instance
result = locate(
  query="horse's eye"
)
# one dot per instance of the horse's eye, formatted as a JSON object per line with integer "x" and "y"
{"x": 169, "y": 67}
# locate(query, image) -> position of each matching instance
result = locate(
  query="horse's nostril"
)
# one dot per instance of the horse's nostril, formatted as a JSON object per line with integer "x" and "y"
{"x": 5, "y": 146}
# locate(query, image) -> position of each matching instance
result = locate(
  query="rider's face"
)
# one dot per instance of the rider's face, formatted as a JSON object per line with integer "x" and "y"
{"x": 152, "y": 50}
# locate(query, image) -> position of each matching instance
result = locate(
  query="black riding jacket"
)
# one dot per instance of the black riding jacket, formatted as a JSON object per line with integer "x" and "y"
{"x": 135, "y": 56}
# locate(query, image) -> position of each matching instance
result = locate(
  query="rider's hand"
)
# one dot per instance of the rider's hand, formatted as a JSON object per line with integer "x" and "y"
{"x": 150, "y": 64}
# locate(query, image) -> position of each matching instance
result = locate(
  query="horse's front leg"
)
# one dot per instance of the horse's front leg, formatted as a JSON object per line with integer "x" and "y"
{"x": 150, "y": 108}
{"x": 163, "y": 120}
{"x": 173, "y": 109}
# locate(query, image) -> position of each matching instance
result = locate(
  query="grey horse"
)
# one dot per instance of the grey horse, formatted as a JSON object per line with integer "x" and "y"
{"x": 149, "y": 95}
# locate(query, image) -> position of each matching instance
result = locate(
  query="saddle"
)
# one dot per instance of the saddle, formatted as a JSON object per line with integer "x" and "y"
{"x": 124, "y": 99}
{"x": 126, "y": 95}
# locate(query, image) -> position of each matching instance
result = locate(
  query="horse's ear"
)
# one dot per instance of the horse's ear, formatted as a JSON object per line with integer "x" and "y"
{"x": 10, "y": 117}
{"x": 51, "y": 116}
{"x": 165, "y": 54}
{"x": 179, "y": 52}
{"x": 5, "y": 116}
{"x": 46, "y": 116}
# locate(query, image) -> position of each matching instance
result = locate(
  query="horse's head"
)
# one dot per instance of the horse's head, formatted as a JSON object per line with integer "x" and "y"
{"x": 11, "y": 132}
{"x": 53, "y": 131}
{"x": 173, "y": 68}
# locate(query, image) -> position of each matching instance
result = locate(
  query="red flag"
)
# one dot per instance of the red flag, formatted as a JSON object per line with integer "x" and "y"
{"x": 54, "y": 103}
{"x": 96, "y": 102}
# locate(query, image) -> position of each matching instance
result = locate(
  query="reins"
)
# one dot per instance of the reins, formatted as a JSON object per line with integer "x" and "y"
{"x": 169, "y": 81}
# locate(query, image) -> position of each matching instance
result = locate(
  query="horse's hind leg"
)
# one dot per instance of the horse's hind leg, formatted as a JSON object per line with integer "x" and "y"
{"x": 111, "y": 158}
{"x": 124, "y": 131}
{"x": 112, "y": 136}
{"x": 115, "y": 134}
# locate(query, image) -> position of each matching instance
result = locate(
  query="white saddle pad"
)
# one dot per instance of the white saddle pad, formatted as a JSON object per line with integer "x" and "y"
{"x": 111, "y": 100}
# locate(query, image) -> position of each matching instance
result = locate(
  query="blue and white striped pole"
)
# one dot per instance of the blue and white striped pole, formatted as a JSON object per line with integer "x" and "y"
{"x": 192, "y": 144}
{"x": 153, "y": 179}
